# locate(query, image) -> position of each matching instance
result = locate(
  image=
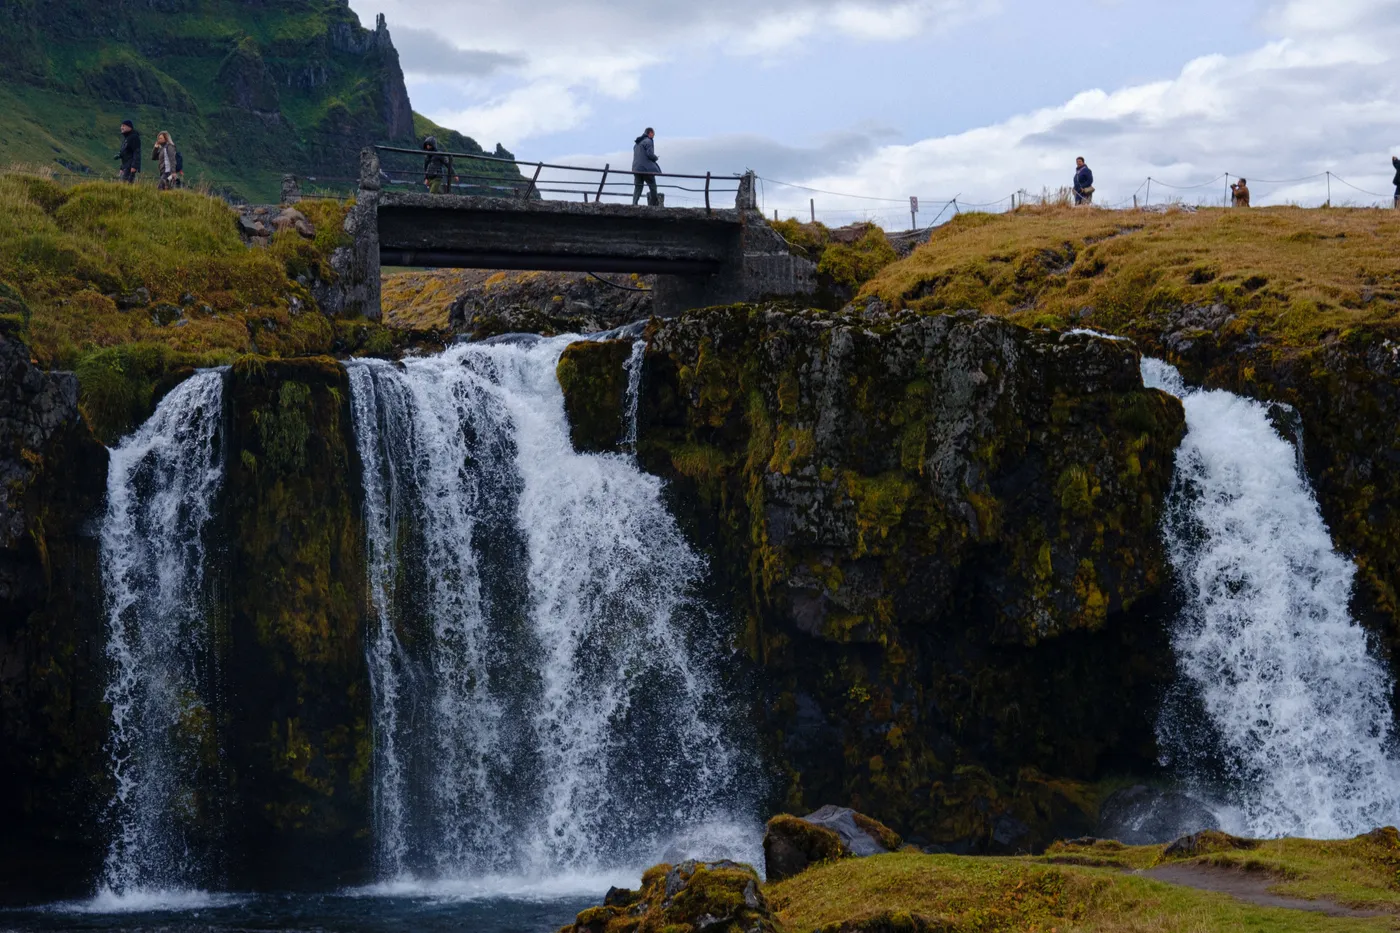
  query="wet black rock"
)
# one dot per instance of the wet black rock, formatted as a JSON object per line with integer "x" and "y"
{"x": 1140, "y": 816}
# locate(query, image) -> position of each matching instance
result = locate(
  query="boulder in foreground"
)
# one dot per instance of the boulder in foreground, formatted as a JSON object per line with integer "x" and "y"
{"x": 692, "y": 897}
{"x": 793, "y": 843}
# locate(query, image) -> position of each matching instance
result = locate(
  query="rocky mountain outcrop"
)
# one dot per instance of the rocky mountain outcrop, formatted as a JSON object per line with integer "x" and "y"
{"x": 942, "y": 531}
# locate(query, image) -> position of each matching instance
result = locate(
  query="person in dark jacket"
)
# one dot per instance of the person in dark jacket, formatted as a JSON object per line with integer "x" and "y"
{"x": 1240, "y": 191}
{"x": 645, "y": 166}
{"x": 1395, "y": 161}
{"x": 1083, "y": 182}
{"x": 437, "y": 168}
{"x": 130, "y": 154}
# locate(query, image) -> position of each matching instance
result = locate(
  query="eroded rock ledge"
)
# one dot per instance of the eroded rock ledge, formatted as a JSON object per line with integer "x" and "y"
{"x": 942, "y": 534}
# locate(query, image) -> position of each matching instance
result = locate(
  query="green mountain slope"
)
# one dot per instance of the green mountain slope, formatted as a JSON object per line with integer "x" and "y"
{"x": 250, "y": 89}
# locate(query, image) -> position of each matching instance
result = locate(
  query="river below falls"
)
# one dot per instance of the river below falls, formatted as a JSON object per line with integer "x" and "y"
{"x": 345, "y": 912}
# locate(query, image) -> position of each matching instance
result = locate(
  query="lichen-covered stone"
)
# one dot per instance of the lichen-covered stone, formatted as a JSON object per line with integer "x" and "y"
{"x": 294, "y": 668}
{"x": 943, "y": 531}
{"x": 593, "y": 377}
{"x": 791, "y": 844}
{"x": 693, "y": 897}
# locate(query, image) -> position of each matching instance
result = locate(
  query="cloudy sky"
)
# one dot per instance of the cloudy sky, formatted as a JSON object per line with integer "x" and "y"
{"x": 935, "y": 98}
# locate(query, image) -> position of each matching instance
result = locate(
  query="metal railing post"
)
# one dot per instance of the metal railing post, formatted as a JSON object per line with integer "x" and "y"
{"x": 707, "y": 191}
{"x": 533, "y": 181}
{"x": 599, "y": 198}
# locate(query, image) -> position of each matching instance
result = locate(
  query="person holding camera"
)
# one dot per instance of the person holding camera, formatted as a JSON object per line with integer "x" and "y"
{"x": 1240, "y": 193}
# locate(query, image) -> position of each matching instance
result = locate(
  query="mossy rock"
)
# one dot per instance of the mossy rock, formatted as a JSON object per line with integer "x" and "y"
{"x": 593, "y": 376}
{"x": 693, "y": 897}
{"x": 791, "y": 845}
{"x": 1206, "y": 842}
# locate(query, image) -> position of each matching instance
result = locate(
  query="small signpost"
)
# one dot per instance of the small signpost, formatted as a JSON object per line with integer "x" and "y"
{"x": 913, "y": 213}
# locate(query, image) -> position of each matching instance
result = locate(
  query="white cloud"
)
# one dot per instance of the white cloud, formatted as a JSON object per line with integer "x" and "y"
{"x": 565, "y": 53}
{"x": 1318, "y": 98}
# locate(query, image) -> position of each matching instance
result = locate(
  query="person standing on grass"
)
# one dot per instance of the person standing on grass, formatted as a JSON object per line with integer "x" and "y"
{"x": 1240, "y": 193}
{"x": 1395, "y": 161}
{"x": 437, "y": 168}
{"x": 1083, "y": 182}
{"x": 166, "y": 158}
{"x": 130, "y": 154}
{"x": 645, "y": 167}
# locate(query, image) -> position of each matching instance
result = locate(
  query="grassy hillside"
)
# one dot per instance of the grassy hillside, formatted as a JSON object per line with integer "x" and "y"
{"x": 126, "y": 285}
{"x": 1292, "y": 274}
{"x": 250, "y": 90}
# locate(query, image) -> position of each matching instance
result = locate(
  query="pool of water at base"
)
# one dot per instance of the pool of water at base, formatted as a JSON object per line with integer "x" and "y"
{"x": 347, "y": 912}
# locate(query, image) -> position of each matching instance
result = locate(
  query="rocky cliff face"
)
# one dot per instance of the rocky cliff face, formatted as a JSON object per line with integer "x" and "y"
{"x": 943, "y": 536}
{"x": 52, "y": 723}
{"x": 250, "y": 90}
{"x": 293, "y": 709}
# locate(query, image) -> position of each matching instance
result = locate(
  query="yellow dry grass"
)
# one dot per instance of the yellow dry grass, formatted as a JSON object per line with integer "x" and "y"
{"x": 1002, "y": 895}
{"x": 1298, "y": 274}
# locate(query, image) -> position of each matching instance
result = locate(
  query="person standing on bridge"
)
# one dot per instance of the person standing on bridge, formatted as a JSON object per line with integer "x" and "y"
{"x": 437, "y": 168}
{"x": 645, "y": 167}
{"x": 1083, "y": 182}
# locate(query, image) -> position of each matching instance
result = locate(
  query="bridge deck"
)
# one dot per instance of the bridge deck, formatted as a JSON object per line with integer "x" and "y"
{"x": 451, "y": 231}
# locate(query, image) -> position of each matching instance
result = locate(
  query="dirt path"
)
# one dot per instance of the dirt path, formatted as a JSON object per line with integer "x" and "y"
{"x": 1247, "y": 886}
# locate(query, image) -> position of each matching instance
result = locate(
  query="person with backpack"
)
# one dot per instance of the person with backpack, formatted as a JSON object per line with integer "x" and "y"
{"x": 130, "y": 154}
{"x": 437, "y": 168}
{"x": 165, "y": 156}
{"x": 1083, "y": 182}
{"x": 645, "y": 167}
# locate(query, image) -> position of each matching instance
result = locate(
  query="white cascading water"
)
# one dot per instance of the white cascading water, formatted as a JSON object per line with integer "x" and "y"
{"x": 547, "y": 686}
{"x": 161, "y": 486}
{"x": 634, "y": 395}
{"x": 1299, "y": 707}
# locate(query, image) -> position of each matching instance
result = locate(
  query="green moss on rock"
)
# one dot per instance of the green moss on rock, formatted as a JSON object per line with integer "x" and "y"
{"x": 594, "y": 379}
{"x": 942, "y": 531}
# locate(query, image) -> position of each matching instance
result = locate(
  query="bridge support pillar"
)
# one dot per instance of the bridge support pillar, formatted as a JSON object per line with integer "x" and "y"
{"x": 761, "y": 267}
{"x": 356, "y": 291}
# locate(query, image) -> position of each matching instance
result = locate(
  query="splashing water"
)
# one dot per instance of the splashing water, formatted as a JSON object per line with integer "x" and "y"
{"x": 161, "y": 486}
{"x": 1298, "y": 707}
{"x": 634, "y": 395}
{"x": 547, "y": 694}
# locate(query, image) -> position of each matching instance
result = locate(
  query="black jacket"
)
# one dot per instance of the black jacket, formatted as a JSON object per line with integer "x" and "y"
{"x": 1396, "y": 162}
{"x": 435, "y": 164}
{"x": 130, "y": 155}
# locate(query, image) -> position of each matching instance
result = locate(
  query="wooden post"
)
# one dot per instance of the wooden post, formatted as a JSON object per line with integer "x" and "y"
{"x": 599, "y": 198}
{"x": 775, "y": 215}
{"x": 813, "y": 203}
{"x": 1329, "y": 187}
{"x": 1135, "y": 207}
{"x": 1148, "y": 198}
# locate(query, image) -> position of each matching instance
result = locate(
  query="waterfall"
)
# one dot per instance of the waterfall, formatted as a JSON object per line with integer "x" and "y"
{"x": 161, "y": 486}
{"x": 547, "y": 681}
{"x": 1296, "y": 719}
{"x": 634, "y": 395}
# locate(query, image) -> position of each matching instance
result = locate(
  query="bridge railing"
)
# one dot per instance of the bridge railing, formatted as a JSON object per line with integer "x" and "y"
{"x": 543, "y": 180}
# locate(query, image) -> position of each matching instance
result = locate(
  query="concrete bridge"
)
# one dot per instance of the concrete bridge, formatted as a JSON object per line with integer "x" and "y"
{"x": 701, "y": 256}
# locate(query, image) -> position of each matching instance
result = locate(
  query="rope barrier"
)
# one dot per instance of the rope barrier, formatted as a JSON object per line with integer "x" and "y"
{"x": 625, "y": 288}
